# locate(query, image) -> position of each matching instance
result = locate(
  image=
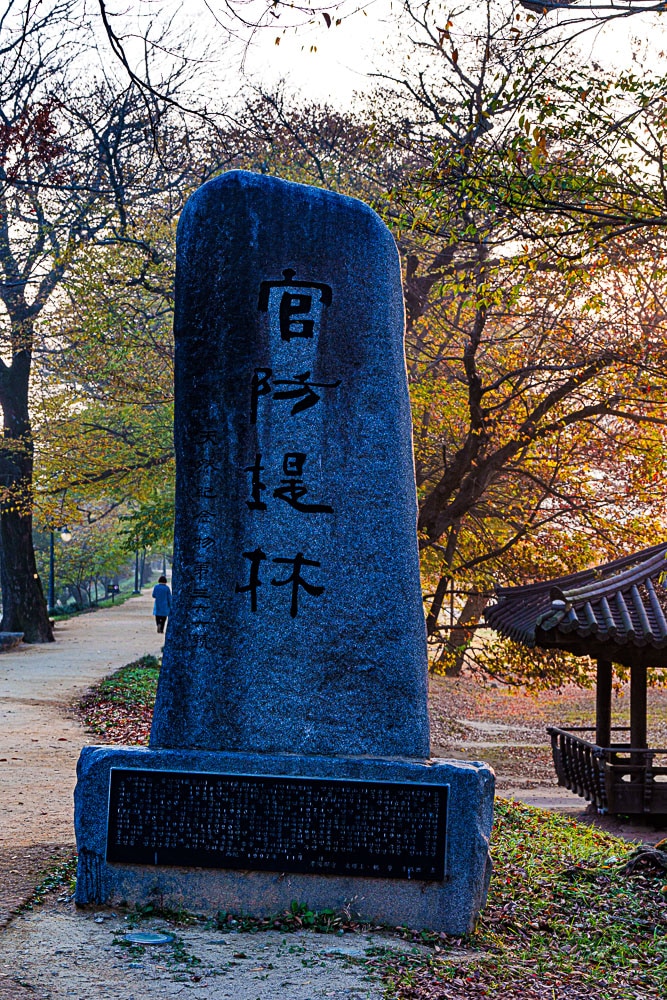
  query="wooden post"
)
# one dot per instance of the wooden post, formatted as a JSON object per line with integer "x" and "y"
{"x": 638, "y": 707}
{"x": 603, "y": 704}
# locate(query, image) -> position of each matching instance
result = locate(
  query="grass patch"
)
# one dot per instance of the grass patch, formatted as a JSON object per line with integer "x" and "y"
{"x": 120, "y": 708}
{"x": 61, "y": 876}
{"x": 564, "y": 920}
{"x": 134, "y": 684}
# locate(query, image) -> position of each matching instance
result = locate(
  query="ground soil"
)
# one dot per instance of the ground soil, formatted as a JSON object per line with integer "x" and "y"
{"x": 508, "y": 729}
{"x": 58, "y": 953}
{"x": 55, "y": 951}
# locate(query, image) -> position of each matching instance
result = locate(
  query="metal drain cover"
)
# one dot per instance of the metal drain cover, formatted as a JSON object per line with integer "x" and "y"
{"x": 148, "y": 937}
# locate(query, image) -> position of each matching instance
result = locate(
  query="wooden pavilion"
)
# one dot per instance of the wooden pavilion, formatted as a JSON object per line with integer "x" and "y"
{"x": 616, "y": 613}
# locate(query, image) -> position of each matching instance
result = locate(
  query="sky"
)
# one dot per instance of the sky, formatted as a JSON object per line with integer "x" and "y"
{"x": 327, "y": 64}
{"x": 330, "y": 64}
{"x": 346, "y": 55}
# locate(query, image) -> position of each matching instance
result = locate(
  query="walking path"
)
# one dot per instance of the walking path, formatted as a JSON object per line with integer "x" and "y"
{"x": 40, "y": 738}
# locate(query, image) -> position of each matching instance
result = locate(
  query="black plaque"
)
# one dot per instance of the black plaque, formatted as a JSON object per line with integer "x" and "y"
{"x": 318, "y": 825}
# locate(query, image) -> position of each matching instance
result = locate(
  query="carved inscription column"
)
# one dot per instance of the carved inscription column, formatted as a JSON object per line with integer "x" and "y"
{"x": 292, "y": 325}
{"x": 297, "y": 622}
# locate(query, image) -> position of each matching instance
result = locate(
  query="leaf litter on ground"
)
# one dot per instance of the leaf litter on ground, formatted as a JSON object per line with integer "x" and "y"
{"x": 120, "y": 708}
{"x": 565, "y": 920}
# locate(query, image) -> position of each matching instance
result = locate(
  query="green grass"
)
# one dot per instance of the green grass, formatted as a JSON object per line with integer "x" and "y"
{"x": 563, "y": 919}
{"x": 61, "y": 876}
{"x": 134, "y": 684}
{"x": 561, "y": 885}
{"x": 120, "y": 708}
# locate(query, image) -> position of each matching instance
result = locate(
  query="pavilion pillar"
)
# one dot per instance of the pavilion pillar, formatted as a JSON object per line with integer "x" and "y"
{"x": 603, "y": 703}
{"x": 638, "y": 707}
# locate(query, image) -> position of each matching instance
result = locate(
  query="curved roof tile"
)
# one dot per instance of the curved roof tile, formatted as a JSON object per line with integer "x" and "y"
{"x": 617, "y": 611}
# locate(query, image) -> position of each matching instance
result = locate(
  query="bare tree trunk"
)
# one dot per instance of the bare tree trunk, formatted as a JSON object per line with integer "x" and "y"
{"x": 23, "y": 604}
{"x": 436, "y": 604}
{"x": 443, "y": 583}
{"x": 461, "y": 636}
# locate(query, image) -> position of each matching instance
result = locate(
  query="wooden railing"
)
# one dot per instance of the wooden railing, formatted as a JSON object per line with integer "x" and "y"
{"x": 577, "y": 764}
{"x": 617, "y": 779}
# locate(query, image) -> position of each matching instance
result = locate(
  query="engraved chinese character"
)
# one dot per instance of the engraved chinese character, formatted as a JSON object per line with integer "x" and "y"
{"x": 298, "y": 309}
{"x": 204, "y": 516}
{"x": 257, "y": 486}
{"x": 303, "y": 391}
{"x": 206, "y": 492}
{"x": 256, "y": 558}
{"x": 208, "y": 434}
{"x": 200, "y": 598}
{"x": 297, "y": 580}
{"x": 292, "y": 488}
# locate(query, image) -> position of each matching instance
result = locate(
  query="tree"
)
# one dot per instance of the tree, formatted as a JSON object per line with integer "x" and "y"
{"x": 104, "y": 396}
{"x": 525, "y": 205}
{"x": 80, "y": 152}
{"x": 530, "y": 234}
{"x": 94, "y": 555}
{"x": 526, "y": 202}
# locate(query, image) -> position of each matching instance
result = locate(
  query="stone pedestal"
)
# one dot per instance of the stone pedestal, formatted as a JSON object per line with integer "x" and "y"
{"x": 450, "y": 904}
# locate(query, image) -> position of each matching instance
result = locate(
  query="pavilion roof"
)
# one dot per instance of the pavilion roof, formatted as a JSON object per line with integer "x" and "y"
{"x": 615, "y": 612}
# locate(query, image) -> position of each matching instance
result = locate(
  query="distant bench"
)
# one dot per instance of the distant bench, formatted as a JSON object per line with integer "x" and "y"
{"x": 10, "y": 640}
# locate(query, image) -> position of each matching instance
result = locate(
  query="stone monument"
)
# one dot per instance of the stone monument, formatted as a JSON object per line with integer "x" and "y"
{"x": 289, "y": 754}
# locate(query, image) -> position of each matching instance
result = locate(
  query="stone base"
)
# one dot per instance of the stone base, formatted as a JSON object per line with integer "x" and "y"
{"x": 450, "y": 906}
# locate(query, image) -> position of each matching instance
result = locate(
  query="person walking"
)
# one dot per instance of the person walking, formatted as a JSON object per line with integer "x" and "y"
{"x": 162, "y": 605}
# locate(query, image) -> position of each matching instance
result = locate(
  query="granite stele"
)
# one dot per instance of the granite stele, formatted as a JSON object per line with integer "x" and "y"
{"x": 289, "y": 756}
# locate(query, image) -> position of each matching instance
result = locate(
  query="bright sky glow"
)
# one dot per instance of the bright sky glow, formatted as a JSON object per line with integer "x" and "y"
{"x": 326, "y": 64}
{"x": 330, "y": 64}
{"x": 348, "y": 54}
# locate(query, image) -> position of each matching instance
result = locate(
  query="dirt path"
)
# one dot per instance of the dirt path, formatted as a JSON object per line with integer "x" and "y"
{"x": 57, "y": 953}
{"x": 40, "y": 737}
